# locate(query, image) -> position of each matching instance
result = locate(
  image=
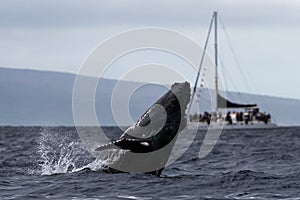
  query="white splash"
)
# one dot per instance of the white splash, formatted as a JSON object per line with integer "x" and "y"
{"x": 61, "y": 154}
{"x": 58, "y": 153}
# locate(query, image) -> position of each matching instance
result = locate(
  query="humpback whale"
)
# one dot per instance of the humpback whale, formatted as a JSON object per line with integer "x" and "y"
{"x": 147, "y": 144}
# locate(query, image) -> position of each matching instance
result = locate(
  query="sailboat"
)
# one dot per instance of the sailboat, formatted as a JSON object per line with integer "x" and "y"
{"x": 227, "y": 114}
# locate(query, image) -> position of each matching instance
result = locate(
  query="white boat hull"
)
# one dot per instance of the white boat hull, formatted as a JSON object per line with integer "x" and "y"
{"x": 234, "y": 126}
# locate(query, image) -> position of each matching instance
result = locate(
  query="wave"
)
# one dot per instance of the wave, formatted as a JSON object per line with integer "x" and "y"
{"x": 249, "y": 195}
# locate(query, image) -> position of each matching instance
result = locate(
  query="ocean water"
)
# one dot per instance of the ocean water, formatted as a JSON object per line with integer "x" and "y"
{"x": 51, "y": 162}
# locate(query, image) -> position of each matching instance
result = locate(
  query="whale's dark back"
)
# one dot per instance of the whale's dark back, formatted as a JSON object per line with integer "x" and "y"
{"x": 175, "y": 102}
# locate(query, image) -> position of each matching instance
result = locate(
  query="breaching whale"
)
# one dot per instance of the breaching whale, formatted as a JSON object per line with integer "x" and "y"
{"x": 149, "y": 142}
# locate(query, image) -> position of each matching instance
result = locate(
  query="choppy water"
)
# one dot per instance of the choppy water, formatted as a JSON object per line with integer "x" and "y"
{"x": 41, "y": 162}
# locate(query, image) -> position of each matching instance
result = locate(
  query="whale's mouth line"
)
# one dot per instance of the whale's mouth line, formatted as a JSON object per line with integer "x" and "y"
{"x": 133, "y": 145}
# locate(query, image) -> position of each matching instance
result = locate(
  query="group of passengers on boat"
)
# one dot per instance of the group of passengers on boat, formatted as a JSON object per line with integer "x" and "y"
{"x": 232, "y": 117}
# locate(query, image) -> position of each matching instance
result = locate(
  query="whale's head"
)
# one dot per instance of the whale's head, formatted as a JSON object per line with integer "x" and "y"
{"x": 160, "y": 124}
{"x": 182, "y": 91}
{"x": 174, "y": 103}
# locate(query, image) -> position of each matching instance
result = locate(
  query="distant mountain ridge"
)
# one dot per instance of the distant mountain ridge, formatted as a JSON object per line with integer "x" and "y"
{"x": 30, "y": 97}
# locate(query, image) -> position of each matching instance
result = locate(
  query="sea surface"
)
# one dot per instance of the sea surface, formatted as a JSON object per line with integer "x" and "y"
{"x": 51, "y": 162}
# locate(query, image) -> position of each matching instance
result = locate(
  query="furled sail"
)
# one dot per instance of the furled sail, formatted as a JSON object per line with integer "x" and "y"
{"x": 224, "y": 103}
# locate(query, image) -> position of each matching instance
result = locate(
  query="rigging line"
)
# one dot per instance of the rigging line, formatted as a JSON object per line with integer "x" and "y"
{"x": 201, "y": 63}
{"x": 226, "y": 76}
{"x": 236, "y": 93}
{"x": 229, "y": 80}
{"x": 225, "y": 72}
{"x": 234, "y": 54}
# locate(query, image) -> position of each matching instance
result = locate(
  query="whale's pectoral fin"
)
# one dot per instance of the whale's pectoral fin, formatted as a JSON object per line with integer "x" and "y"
{"x": 134, "y": 145}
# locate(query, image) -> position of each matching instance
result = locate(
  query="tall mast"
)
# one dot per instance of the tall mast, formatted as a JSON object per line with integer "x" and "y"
{"x": 216, "y": 58}
{"x": 201, "y": 62}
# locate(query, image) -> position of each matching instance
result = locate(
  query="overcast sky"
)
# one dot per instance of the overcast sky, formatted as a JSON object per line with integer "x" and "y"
{"x": 58, "y": 35}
